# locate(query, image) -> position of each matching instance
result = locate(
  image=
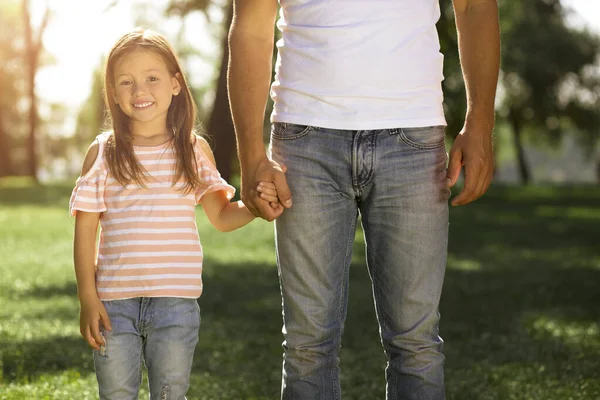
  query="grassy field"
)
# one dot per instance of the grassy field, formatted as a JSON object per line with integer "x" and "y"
{"x": 520, "y": 308}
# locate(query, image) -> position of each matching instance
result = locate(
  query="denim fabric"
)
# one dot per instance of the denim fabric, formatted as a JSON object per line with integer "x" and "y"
{"x": 161, "y": 332}
{"x": 395, "y": 180}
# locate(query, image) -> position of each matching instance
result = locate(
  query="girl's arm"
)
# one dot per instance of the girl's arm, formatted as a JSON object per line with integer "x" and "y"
{"x": 84, "y": 257}
{"x": 227, "y": 216}
{"x": 224, "y": 215}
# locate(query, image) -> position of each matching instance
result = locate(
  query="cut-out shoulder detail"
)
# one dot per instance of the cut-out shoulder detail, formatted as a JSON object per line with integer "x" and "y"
{"x": 90, "y": 157}
{"x": 205, "y": 147}
{"x": 207, "y": 171}
{"x": 94, "y": 155}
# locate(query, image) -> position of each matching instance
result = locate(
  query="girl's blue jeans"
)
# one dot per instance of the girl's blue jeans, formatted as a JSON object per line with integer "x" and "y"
{"x": 161, "y": 332}
{"x": 395, "y": 180}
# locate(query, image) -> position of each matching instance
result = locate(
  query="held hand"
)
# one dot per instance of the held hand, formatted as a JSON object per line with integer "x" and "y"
{"x": 268, "y": 192}
{"x": 272, "y": 176}
{"x": 92, "y": 314}
{"x": 473, "y": 149}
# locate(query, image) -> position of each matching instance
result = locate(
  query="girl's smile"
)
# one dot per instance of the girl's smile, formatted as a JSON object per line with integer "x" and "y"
{"x": 138, "y": 190}
{"x": 144, "y": 104}
{"x": 144, "y": 88}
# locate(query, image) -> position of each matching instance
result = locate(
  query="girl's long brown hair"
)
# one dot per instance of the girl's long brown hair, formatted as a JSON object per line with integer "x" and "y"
{"x": 181, "y": 117}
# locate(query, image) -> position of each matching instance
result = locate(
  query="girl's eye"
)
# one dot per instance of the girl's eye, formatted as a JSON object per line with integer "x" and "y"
{"x": 124, "y": 83}
{"x": 153, "y": 79}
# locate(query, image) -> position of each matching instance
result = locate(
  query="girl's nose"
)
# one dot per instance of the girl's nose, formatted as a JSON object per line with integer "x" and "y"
{"x": 138, "y": 89}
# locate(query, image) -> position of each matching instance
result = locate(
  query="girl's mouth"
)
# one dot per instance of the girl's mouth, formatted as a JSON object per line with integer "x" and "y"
{"x": 143, "y": 104}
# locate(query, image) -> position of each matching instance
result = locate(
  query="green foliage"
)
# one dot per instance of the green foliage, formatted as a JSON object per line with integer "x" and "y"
{"x": 184, "y": 7}
{"x": 10, "y": 76}
{"x": 11, "y": 72}
{"x": 549, "y": 83}
{"x": 455, "y": 106}
{"x": 544, "y": 65}
{"x": 91, "y": 118}
{"x": 520, "y": 314}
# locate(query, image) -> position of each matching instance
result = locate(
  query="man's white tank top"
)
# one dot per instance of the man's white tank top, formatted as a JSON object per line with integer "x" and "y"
{"x": 359, "y": 64}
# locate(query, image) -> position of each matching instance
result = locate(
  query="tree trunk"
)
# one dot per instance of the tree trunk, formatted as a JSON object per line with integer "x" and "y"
{"x": 598, "y": 171}
{"x": 220, "y": 127}
{"x": 33, "y": 47}
{"x": 516, "y": 124}
{"x": 32, "y": 126}
{"x": 5, "y": 165}
{"x": 30, "y": 61}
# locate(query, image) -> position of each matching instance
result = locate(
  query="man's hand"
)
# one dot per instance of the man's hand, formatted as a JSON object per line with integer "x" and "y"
{"x": 473, "y": 149}
{"x": 92, "y": 314}
{"x": 267, "y": 171}
{"x": 479, "y": 48}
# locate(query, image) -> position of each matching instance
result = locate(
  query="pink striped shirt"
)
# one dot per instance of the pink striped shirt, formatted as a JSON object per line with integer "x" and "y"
{"x": 149, "y": 244}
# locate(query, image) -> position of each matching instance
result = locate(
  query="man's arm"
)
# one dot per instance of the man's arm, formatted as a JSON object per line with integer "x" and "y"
{"x": 479, "y": 48}
{"x": 251, "y": 39}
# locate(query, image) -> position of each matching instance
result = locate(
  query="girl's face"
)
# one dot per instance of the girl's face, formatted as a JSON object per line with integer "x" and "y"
{"x": 143, "y": 89}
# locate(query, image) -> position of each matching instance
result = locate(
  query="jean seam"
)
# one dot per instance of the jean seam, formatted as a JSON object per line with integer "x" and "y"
{"x": 373, "y": 150}
{"x": 141, "y": 360}
{"x": 384, "y": 325}
{"x": 346, "y": 258}
{"x": 342, "y": 305}
{"x": 383, "y": 321}
{"x": 354, "y": 163}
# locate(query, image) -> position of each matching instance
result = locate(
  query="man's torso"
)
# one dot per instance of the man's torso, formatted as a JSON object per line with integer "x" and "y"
{"x": 359, "y": 64}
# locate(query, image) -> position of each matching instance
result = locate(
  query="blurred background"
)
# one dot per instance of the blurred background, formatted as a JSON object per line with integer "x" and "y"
{"x": 52, "y": 55}
{"x": 520, "y": 308}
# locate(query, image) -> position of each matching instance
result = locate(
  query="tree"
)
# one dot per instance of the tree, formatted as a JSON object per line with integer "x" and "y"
{"x": 455, "y": 105}
{"x": 5, "y": 158}
{"x": 5, "y": 164}
{"x": 544, "y": 63}
{"x": 220, "y": 123}
{"x": 583, "y": 109}
{"x": 543, "y": 75}
{"x": 9, "y": 74}
{"x": 33, "y": 48}
{"x": 91, "y": 117}
{"x": 547, "y": 83}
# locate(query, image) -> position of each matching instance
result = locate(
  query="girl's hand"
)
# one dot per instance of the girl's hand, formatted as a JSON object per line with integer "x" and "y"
{"x": 91, "y": 315}
{"x": 268, "y": 192}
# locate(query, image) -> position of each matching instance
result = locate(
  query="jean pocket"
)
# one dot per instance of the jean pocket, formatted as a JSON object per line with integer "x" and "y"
{"x": 430, "y": 137}
{"x": 287, "y": 131}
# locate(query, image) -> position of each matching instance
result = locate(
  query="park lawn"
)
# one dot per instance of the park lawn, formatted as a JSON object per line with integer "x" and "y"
{"x": 520, "y": 308}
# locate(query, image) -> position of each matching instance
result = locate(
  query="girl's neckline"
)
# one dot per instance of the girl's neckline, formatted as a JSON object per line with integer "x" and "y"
{"x": 156, "y": 146}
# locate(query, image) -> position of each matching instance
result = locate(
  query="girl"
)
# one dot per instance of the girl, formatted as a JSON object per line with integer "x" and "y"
{"x": 138, "y": 287}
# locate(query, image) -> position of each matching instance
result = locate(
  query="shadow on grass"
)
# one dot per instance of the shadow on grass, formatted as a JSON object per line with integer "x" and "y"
{"x": 46, "y": 195}
{"x": 487, "y": 319}
{"x": 45, "y": 292}
{"x": 486, "y": 226}
{"x": 23, "y": 361}
{"x": 519, "y": 306}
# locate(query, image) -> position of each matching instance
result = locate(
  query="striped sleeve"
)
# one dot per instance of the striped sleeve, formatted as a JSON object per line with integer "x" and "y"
{"x": 209, "y": 177}
{"x": 88, "y": 194}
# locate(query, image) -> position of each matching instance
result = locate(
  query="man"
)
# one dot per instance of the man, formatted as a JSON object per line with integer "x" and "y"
{"x": 359, "y": 124}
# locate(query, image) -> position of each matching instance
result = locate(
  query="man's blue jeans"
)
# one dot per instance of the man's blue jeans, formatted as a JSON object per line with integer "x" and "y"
{"x": 161, "y": 332}
{"x": 395, "y": 180}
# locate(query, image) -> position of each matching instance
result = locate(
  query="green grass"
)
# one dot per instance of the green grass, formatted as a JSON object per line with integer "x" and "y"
{"x": 520, "y": 308}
